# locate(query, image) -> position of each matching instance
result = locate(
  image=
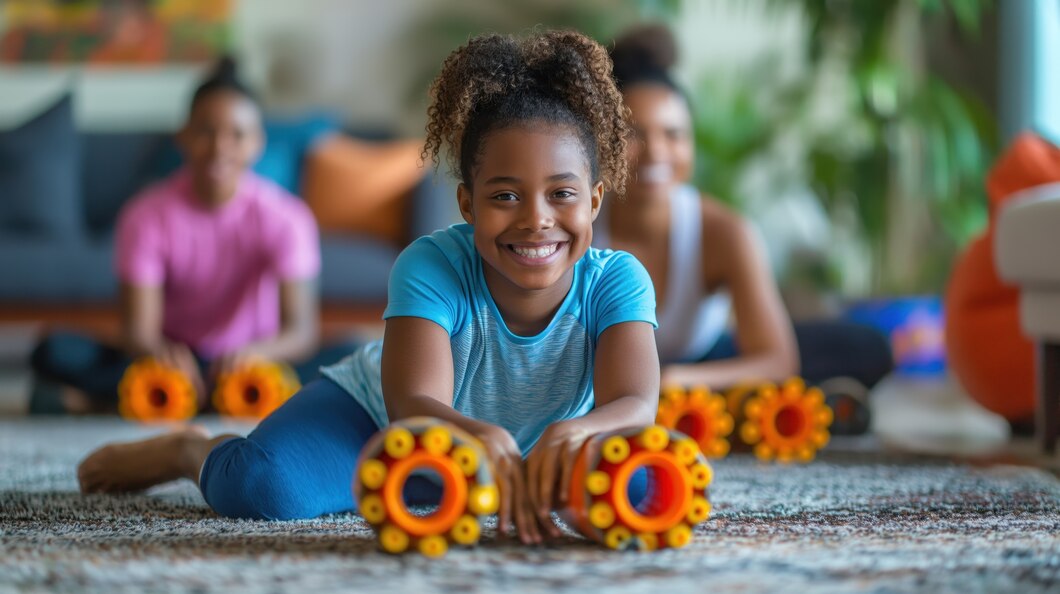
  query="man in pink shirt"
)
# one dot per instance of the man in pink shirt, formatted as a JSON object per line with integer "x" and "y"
{"x": 217, "y": 265}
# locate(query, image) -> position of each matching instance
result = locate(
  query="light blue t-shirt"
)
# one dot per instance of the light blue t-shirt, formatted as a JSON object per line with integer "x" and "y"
{"x": 521, "y": 383}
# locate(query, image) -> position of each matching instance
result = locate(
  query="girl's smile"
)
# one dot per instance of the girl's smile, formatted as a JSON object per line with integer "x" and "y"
{"x": 537, "y": 254}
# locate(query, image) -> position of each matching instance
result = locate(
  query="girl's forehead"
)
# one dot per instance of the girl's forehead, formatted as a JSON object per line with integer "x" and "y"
{"x": 656, "y": 101}
{"x": 534, "y": 147}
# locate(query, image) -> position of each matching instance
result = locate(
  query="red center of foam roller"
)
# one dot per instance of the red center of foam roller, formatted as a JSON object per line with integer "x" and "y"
{"x": 789, "y": 421}
{"x": 662, "y": 486}
{"x": 158, "y": 397}
{"x": 693, "y": 426}
{"x": 251, "y": 394}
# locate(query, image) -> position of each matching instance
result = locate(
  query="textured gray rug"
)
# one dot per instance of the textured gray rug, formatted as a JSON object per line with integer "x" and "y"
{"x": 852, "y": 521}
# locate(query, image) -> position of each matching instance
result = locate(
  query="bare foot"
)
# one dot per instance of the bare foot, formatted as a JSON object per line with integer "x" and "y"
{"x": 137, "y": 465}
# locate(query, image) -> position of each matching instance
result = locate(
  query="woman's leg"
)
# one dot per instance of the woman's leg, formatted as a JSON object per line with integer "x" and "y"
{"x": 84, "y": 364}
{"x": 829, "y": 349}
{"x": 834, "y": 348}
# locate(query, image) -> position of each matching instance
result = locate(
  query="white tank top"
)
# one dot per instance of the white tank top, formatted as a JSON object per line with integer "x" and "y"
{"x": 690, "y": 319}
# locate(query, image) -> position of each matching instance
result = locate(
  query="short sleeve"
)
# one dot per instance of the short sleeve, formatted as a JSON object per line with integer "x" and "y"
{"x": 424, "y": 284}
{"x": 622, "y": 293}
{"x": 139, "y": 246}
{"x": 296, "y": 251}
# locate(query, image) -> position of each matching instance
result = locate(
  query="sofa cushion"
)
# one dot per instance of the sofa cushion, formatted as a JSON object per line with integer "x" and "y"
{"x": 115, "y": 167}
{"x": 40, "y": 271}
{"x": 40, "y": 176}
{"x": 363, "y": 187}
{"x": 355, "y": 269}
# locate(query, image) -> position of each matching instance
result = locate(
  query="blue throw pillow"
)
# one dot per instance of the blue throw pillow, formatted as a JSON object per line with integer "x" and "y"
{"x": 116, "y": 166}
{"x": 40, "y": 193}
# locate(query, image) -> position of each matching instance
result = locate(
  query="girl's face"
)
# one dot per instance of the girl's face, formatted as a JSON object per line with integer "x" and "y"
{"x": 532, "y": 202}
{"x": 220, "y": 141}
{"x": 662, "y": 154}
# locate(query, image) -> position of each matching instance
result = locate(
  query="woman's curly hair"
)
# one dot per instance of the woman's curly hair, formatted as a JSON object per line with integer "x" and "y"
{"x": 496, "y": 81}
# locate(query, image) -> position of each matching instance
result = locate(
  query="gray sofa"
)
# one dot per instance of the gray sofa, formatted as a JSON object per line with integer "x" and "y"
{"x": 61, "y": 191}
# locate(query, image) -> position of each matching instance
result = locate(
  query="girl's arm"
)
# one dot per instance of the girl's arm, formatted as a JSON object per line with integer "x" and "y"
{"x": 299, "y": 332}
{"x": 417, "y": 375}
{"x": 734, "y": 259}
{"x": 142, "y": 309}
{"x": 626, "y": 390}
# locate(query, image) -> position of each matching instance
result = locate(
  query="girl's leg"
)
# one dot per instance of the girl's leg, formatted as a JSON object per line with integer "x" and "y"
{"x": 134, "y": 466}
{"x": 298, "y": 463}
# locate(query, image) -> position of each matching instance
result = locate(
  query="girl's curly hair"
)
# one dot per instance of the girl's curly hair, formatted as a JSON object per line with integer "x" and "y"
{"x": 496, "y": 81}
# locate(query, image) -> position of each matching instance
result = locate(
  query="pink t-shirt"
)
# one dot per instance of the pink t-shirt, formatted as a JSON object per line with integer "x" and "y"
{"x": 220, "y": 268}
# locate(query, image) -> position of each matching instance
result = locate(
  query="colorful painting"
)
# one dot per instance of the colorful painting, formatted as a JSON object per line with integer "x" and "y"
{"x": 114, "y": 31}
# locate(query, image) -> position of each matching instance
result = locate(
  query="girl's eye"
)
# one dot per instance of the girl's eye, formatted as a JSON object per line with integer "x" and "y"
{"x": 506, "y": 197}
{"x": 563, "y": 194}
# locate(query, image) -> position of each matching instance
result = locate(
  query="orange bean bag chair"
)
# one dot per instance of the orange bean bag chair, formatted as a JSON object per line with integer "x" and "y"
{"x": 985, "y": 348}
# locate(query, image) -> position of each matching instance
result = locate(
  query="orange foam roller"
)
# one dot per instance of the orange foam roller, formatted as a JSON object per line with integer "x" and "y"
{"x": 677, "y": 499}
{"x": 786, "y": 423}
{"x": 255, "y": 390}
{"x": 420, "y": 445}
{"x": 151, "y": 391}
{"x": 699, "y": 414}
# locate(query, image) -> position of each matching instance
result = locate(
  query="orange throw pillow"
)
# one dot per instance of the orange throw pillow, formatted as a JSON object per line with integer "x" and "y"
{"x": 353, "y": 186}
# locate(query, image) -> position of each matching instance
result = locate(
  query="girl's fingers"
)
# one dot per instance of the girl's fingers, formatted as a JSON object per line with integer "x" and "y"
{"x": 525, "y": 519}
{"x": 547, "y": 480}
{"x": 533, "y": 469}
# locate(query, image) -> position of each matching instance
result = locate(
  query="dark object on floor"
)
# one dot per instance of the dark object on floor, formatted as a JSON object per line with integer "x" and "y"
{"x": 849, "y": 400}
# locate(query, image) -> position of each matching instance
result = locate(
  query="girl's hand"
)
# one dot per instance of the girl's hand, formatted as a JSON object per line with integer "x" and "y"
{"x": 179, "y": 356}
{"x": 514, "y": 503}
{"x": 549, "y": 468}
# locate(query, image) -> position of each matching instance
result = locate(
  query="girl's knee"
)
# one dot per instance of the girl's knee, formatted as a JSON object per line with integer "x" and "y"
{"x": 241, "y": 480}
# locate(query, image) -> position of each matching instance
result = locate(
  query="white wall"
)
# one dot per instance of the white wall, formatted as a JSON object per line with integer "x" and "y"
{"x": 363, "y": 62}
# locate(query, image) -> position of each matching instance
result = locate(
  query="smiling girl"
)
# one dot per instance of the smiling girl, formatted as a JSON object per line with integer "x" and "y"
{"x": 509, "y": 326}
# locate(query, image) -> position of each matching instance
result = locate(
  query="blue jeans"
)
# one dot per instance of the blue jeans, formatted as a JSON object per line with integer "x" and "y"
{"x": 300, "y": 461}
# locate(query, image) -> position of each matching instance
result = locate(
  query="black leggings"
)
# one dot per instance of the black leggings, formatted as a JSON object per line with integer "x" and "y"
{"x": 829, "y": 349}
{"x": 96, "y": 368}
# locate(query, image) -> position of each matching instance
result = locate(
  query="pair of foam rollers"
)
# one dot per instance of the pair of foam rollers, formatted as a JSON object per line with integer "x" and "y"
{"x": 152, "y": 391}
{"x": 598, "y": 505}
{"x": 785, "y": 423}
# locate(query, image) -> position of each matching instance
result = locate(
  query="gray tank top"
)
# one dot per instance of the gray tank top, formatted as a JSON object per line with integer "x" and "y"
{"x": 690, "y": 319}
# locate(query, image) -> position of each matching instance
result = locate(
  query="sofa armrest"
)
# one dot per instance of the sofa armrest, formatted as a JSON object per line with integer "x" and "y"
{"x": 1027, "y": 245}
{"x": 1027, "y": 252}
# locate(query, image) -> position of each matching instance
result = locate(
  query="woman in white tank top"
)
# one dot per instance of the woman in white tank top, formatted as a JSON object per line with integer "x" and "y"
{"x": 707, "y": 265}
{"x": 704, "y": 260}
